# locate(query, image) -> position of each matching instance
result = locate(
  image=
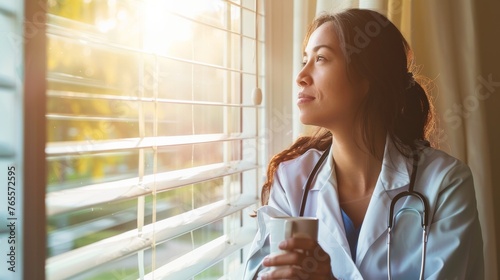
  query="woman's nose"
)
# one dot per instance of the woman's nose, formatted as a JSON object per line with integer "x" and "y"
{"x": 303, "y": 78}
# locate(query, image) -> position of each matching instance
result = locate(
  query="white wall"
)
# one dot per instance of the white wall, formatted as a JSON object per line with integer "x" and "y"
{"x": 11, "y": 138}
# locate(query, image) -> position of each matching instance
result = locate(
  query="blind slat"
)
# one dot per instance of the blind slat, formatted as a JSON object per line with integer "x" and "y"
{"x": 125, "y": 98}
{"x": 79, "y": 260}
{"x": 56, "y": 238}
{"x": 86, "y": 118}
{"x": 196, "y": 261}
{"x": 97, "y": 146}
{"x": 69, "y": 200}
{"x": 69, "y": 79}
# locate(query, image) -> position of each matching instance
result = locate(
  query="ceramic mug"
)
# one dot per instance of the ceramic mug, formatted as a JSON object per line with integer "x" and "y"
{"x": 281, "y": 228}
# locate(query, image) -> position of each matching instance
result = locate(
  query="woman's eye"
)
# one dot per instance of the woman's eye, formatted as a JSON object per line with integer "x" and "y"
{"x": 316, "y": 59}
{"x": 304, "y": 62}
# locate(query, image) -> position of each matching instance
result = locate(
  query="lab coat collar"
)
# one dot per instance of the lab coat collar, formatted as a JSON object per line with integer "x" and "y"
{"x": 396, "y": 167}
{"x": 395, "y": 172}
{"x": 325, "y": 175}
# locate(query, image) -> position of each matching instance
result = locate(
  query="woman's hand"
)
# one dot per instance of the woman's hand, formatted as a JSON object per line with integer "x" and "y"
{"x": 304, "y": 259}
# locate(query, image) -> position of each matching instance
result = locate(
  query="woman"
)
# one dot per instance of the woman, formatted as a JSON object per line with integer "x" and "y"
{"x": 357, "y": 86}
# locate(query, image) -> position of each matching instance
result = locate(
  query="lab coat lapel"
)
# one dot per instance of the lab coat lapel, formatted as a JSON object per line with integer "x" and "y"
{"x": 328, "y": 211}
{"x": 331, "y": 235}
{"x": 394, "y": 177}
{"x": 331, "y": 226}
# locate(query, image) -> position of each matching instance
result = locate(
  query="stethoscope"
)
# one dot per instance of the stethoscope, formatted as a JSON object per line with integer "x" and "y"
{"x": 409, "y": 192}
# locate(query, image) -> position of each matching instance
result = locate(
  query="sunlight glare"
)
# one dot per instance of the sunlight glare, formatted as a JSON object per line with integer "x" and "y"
{"x": 163, "y": 28}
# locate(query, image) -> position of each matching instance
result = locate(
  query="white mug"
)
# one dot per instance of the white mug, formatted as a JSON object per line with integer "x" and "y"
{"x": 281, "y": 228}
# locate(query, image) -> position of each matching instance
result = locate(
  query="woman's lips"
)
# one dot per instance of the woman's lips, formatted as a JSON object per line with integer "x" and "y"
{"x": 304, "y": 98}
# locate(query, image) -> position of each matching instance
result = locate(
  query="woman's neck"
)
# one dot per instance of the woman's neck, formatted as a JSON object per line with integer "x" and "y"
{"x": 356, "y": 167}
{"x": 357, "y": 170}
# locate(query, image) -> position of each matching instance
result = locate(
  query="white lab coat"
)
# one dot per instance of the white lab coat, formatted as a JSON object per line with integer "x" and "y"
{"x": 454, "y": 248}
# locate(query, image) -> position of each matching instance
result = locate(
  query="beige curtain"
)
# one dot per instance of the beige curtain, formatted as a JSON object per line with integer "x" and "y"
{"x": 442, "y": 36}
{"x": 444, "y": 41}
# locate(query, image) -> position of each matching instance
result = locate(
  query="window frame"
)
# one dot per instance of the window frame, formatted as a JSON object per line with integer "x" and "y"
{"x": 33, "y": 262}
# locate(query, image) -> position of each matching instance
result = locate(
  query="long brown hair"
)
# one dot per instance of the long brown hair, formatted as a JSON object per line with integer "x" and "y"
{"x": 377, "y": 51}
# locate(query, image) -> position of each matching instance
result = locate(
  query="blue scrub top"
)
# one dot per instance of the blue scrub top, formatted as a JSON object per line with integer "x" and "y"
{"x": 352, "y": 233}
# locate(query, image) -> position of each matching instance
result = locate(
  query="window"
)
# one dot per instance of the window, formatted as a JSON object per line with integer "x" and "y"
{"x": 153, "y": 151}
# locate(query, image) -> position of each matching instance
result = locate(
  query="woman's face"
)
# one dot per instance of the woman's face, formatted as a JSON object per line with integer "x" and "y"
{"x": 327, "y": 98}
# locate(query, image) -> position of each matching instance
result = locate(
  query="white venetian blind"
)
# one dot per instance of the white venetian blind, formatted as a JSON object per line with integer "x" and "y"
{"x": 153, "y": 150}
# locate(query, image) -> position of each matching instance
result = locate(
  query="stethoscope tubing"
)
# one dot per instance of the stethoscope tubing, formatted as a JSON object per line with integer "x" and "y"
{"x": 310, "y": 179}
{"x": 423, "y": 217}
